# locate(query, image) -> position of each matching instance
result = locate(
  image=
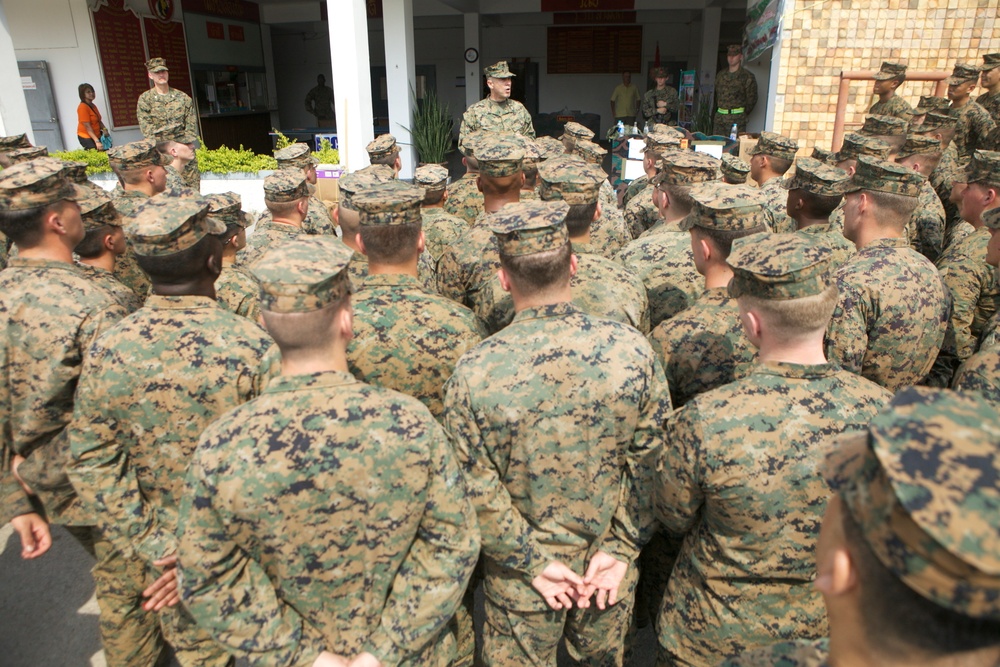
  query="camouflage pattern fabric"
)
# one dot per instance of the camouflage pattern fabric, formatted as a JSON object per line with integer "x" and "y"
{"x": 733, "y": 90}
{"x": 981, "y": 372}
{"x": 641, "y": 213}
{"x": 407, "y": 339}
{"x": 464, "y": 198}
{"x": 774, "y": 197}
{"x": 635, "y": 187}
{"x": 155, "y": 111}
{"x": 174, "y": 179}
{"x": 50, "y": 313}
{"x": 127, "y": 270}
{"x": 405, "y": 548}
{"x": 719, "y": 602}
{"x": 802, "y": 653}
{"x": 990, "y": 102}
{"x": 925, "y": 229}
{"x": 239, "y": 292}
{"x": 469, "y": 263}
{"x": 318, "y": 219}
{"x": 508, "y": 116}
{"x": 991, "y": 334}
{"x": 894, "y": 106}
{"x": 703, "y": 346}
{"x": 266, "y": 234}
{"x": 891, "y": 317}
{"x": 974, "y": 126}
{"x": 664, "y": 262}
{"x": 648, "y": 108}
{"x": 953, "y": 236}
{"x": 441, "y": 230}
{"x": 947, "y": 171}
{"x": 609, "y": 233}
{"x": 832, "y": 238}
{"x": 426, "y": 271}
{"x": 106, "y": 281}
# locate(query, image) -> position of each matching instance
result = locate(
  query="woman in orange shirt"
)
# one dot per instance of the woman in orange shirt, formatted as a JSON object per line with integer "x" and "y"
{"x": 89, "y": 127}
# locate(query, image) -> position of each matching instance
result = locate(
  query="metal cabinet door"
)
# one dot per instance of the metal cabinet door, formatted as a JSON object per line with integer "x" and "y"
{"x": 41, "y": 104}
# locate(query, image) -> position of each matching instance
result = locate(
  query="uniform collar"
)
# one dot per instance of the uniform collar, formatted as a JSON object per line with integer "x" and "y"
{"x": 897, "y": 242}
{"x": 38, "y": 263}
{"x": 804, "y": 371}
{"x": 390, "y": 280}
{"x": 551, "y": 310}
{"x": 286, "y": 383}
{"x": 184, "y": 302}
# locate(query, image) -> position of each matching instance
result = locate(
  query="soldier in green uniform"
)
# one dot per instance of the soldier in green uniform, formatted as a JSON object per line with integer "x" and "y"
{"x": 286, "y": 196}
{"x": 735, "y": 95}
{"x": 770, "y": 160}
{"x": 641, "y": 212}
{"x": 893, "y": 309}
{"x": 178, "y": 149}
{"x": 609, "y": 233}
{"x": 814, "y": 193}
{"x": 734, "y": 170}
{"x": 888, "y": 79}
{"x": 235, "y": 288}
{"x": 440, "y": 228}
{"x": 642, "y": 182}
{"x": 383, "y": 149}
{"x": 739, "y": 475}
{"x": 974, "y": 122}
{"x": 890, "y": 129}
{"x": 544, "y": 469}
{"x": 319, "y": 103}
{"x": 927, "y": 224}
{"x": 161, "y": 106}
{"x": 989, "y": 78}
{"x": 348, "y": 537}
{"x": 318, "y": 220}
{"x": 941, "y": 126}
{"x": 574, "y": 132}
{"x": 497, "y": 112}
{"x": 901, "y": 586}
{"x": 464, "y": 198}
{"x": 660, "y": 104}
{"x": 103, "y": 242}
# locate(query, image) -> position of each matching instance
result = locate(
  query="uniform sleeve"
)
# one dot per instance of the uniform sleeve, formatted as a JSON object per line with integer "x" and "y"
{"x": 310, "y": 102}
{"x": 507, "y": 537}
{"x": 429, "y": 585}
{"x": 978, "y": 374}
{"x": 678, "y": 493}
{"x": 979, "y": 130}
{"x": 229, "y": 594}
{"x": 673, "y": 99}
{"x": 751, "y": 92}
{"x": 964, "y": 285}
{"x": 143, "y": 113}
{"x": 847, "y": 334}
{"x": 190, "y": 117}
{"x": 648, "y": 105}
{"x": 529, "y": 129}
{"x": 470, "y": 123}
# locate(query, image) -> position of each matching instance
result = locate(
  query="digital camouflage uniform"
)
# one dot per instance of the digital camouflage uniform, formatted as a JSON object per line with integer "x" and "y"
{"x": 663, "y": 261}
{"x": 974, "y": 122}
{"x": 739, "y": 477}
{"x": 174, "y": 180}
{"x": 105, "y": 280}
{"x": 734, "y": 170}
{"x": 97, "y": 212}
{"x": 649, "y": 102}
{"x": 636, "y": 186}
{"x": 609, "y": 233}
{"x": 981, "y": 372}
{"x": 816, "y": 178}
{"x": 773, "y": 192}
{"x": 895, "y": 106}
{"x": 733, "y": 90}
{"x": 154, "y": 111}
{"x": 440, "y": 228}
{"x": 973, "y": 287}
{"x": 426, "y": 272}
{"x": 283, "y": 186}
{"x": 990, "y": 102}
{"x": 318, "y": 220}
{"x": 237, "y": 291}
{"x": 832, "y": 238}
{"x": 464, "y": 198}
{"x": 801, "y": 653}
{"x": 641, "y": 213}
{"x": 508, "y": 116}
{"x": 926, "y": 226}
{"x": 991, "y": 333}
{"x": 544, "y": 462}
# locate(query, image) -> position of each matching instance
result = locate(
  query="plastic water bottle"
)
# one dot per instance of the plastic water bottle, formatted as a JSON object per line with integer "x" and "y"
{"x": 635, "y": 130}
{"x": 620, "y": 129}
{"x": 733, "y": 132}
{"x": 645, "y": 129}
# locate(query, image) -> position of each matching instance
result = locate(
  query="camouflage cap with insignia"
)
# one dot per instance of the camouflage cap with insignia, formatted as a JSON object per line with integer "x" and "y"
{"x": 779, "y": 267}
{"x": 657, "y": 142}
{"x": 569, "y": 179}
{"x": 524, "y": 228}
{"x": 550, "y": 147}
{"x": 578, "y": 131}
{"x": 471, "y": 142}
{"x": 431, "y": 177}
{"x": 97, "y": 210}
{"x": 167, "y": 224}
{"x": 723, "y": 208}
{"x": 963, "y": 73}
{"x": 19, "y": 155}
{"x": 817, "y": 178}
{"x": 533, "y": 152}
{"x": 228, "y": 208}
{"x": 156, "y": 65}
{"x": 775, "y": 145}
{"x": 734, "y": 169}
{"x": 392, "y": 203}
{"x": 685, "y": 168}
{"x": 855, "y": 145}
{"x": 991, "y": 218}
{"x": 295, "y": 156}
{"x": 381, "y": 146}
{"x": 286, "y": 185}
{"x": 14, "y": 141}
{"x": 75, "y": 171}
{"x": 658, "y": 73}
{"x": 173, "y": 132}
{"x": 921, "y": 484}
{"x": 936, "y": 120}
{"x": 355, "y": 182}
{"x": 589, "y": 151}
{"x": 304, "y": 274}
{"x": 136, "y": 155}
{"x": 890, "y": 71}
{"x": 734, "y": 50}
{"x": 825, "y": 156}
{"x": 931, "y": 103}
{"x": 669, "y": 129}
{"x": 498, "y": 71}
{"x": 983, "y": 167}
{"x": 879, "y": 125}
{"x": 919, "y": 144}
{"x": 990, "y": 61}
{"x": 35, "y": 184}
{"x": 499, "y": 155}
{"x": 883, "y": 176}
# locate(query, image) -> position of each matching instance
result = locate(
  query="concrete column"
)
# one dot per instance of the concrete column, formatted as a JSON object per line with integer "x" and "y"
{"x": 473, "y": 76}
{"x": 352, "y": 80}
{"x": 401, "y": 82}
{"x": 14, "y": 117}
{"x": 711, "y": 17}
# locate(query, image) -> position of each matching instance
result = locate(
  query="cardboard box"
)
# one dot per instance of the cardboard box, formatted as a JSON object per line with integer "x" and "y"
{"x": 746, "y": 143}
{"x": 327, "y": 182}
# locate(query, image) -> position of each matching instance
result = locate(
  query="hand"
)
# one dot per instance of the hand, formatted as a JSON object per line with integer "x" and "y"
{"x": 14, "y": 464}
{"x": 365, "y": 660}
{"x": 604, "y": 574}
{"x": 35, "y": 536}
{"x": 327, "y": 659}
{"x": 558, "y": 584}
{"x": 163, "y": 592}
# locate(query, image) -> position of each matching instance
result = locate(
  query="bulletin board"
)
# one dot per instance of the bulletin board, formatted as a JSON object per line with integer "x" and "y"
{"x": 594, "y": 49}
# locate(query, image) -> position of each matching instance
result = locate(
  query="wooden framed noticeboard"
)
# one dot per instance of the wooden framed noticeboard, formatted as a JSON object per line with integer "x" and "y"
{"x": 594, "y": 49}
{"x": 123, "y": 60}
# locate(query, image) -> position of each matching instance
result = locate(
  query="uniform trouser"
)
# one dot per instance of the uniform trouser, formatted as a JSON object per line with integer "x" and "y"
{"x": 594, "y": 638}
{"x": 723, "y": 124}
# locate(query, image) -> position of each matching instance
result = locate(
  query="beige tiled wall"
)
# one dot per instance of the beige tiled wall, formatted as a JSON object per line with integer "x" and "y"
{"x": 822, "y": 38}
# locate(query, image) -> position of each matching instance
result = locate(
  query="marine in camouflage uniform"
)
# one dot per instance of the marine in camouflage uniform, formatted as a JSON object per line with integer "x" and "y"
{"x": 182, "y": 354}
{"x": 926, "y": 226}
{"x": 405, "y": 338}
{"x": 235, "y": 289}
{"x": 704, "y": 346}
{"x": 735, "y": 94}
{"x": 465, "y": 201}
{"x": 974, "y": 122}
{"x": 734, "y": 170}
{"x": 99, "y": 214}
{"x": 895, "y": 105}
{"x": 772, "y": 190}
{"x": 813, "y": 185}
{"x": 283, "y": 565}
{"x": 496, "y": 115}
{"x": 440, "y": 228}
{"x": 544, "y": 469}
{"x": 609, "y": 233}
{"x": 990, "y": 100}
{"x": 318, "y": 219}
{"x": 155, "y": 110}
{"x": 948, "y": 169}
{"x": 893, "y": 309}
{"x": 640, "y": 211}
{"x": 739, "y": 476}
{"x": 283, "y": 187}
{"x": 660, "y": 104}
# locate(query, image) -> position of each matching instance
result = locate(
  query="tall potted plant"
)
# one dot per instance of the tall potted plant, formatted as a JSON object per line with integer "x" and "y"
{"x": 432, "y": 125}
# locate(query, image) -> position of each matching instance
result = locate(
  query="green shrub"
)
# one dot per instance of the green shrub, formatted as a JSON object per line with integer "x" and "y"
{"x": 224, "y": 160}
{"x": 97, "y": 161}
{"x": 327, "y": 154}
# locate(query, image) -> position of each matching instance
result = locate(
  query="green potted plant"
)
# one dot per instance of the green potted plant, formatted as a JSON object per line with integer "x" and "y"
{"x": 432, "y": 125}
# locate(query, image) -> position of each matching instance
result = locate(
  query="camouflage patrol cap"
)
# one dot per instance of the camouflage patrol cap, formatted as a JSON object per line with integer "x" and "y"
{"x": 499, "y": 155}
{"x": 136, "y": 155}
{"x": 658, "y": 73}
{"x": 921, "y": 483}
{"x": 392, "y": 203}
{"x": 823, "y": 155}
{"x": 855, "y": 145}
{"x": 990, "y": 61}
{"x": 962, "y": 73}
{"x": 527, "y": 227}
{"x": 991, "y": 218}
{"x": 156, "y": 65}
{"x": 19, "y": 155}
{"x": 431, "y": 177}
{"x": 498, "y": 71}
{"x": 779, "y": 267}
{"x": 817, "y": 178}
{"x": 14, "y": 141}
{"x": 734, "y": 50}
{"x": 285, "y": 185}
{"x": 983, "y": 167}
{"x": 890, "y": 71}
{"x": 174, "y": 132}
{"x": 734, "y": 169}
{"x": 35, "y": 184}
{"x": 355, "y": 182}
{"x": 919, "y": 144}
{"x": 97, "y": 210}
{"x": 657, "y": 142}
{"x": 472, "y": 140}
{"x": 879, "y": 125}
{"x": 304, "y": 274}
{"x": 550, "y": 147}
{"x": 295, "y": 156}
{"x": 571, "y": 180}
{"x": 935, "y": 120}
{"x": 589, "y": 151}
{"x": 685, "y": 168}
{"x": 775, "y": 145}
{"x": 382, "y": 146}
{"x": 227, "y": 207}
{"x": 578, "y": 131}
{"x": 167, "y": 224}
{"x": 724, "y": 209}
{"x": 75, "y": 171}
{"x": 931, "y": 103}
{"x": 668, "y": 129}
{"x": 883, "y": 176}
{"x": 532, "y": 153}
